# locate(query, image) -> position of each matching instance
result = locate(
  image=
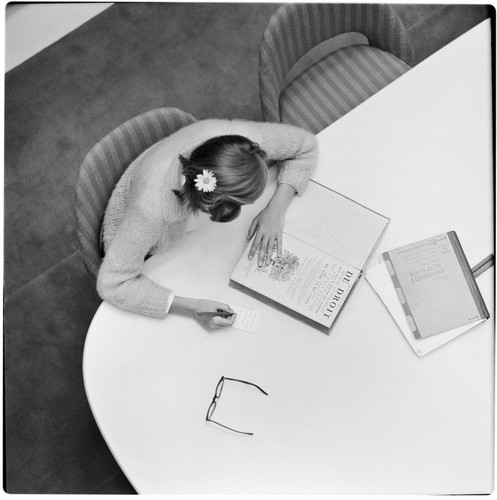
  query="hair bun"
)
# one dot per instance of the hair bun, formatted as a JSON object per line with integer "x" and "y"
{"x": 225, "y": 211}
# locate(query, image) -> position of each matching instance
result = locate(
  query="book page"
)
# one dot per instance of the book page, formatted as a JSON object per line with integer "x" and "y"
{"x": 335, "y": 224}
{"x": 432, "y": 285}
{"x": 306, "y": 280}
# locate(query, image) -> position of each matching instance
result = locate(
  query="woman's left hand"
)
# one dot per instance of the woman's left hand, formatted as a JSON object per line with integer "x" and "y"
{"x": 267, "y": 227}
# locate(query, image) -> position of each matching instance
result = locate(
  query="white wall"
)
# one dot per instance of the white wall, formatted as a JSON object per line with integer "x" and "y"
{"x": 29, "y": 28}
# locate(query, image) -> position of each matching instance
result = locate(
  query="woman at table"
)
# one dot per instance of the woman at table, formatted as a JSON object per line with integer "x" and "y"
{"x": 211, "y": 166}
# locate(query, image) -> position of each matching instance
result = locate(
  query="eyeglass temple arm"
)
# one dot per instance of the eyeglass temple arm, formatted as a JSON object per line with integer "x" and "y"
{"x": 248, "y": 383}
{"x": 229, "y": 428}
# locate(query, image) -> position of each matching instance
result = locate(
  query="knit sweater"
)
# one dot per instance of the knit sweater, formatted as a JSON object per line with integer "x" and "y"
{"x": 144, "y": 215}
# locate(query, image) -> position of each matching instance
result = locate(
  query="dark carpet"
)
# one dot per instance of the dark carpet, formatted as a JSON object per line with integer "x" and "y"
{"x": 133, "y": 57}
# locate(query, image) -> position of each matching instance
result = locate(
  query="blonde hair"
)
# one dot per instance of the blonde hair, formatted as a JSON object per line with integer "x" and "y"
{"x": 240, "y": 168}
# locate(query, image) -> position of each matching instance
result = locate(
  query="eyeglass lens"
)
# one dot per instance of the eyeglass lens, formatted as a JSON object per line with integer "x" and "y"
{"x": 217, "y": 395}
{"x": 219, "y": 387}
{"x": 211, "y": 409}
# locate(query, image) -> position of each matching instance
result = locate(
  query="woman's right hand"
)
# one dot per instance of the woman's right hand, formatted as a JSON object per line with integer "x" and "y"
{"x": 194, "y": 307}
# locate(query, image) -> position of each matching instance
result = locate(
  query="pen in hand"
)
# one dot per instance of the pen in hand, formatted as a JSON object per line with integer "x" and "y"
{"x": 211, "y": 314}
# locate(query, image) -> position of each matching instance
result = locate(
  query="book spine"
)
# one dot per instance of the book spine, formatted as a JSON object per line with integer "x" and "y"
{"x": 401, "y": 296}
{"x": 468, "y": 274}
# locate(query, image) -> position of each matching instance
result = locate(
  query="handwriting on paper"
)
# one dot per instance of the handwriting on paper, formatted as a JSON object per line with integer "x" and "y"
{"x": 246, "y": 318}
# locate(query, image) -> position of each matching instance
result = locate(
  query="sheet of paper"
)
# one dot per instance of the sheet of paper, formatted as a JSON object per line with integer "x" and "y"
{"x": 379, "y": 278}
{"x": 246, "y": 318}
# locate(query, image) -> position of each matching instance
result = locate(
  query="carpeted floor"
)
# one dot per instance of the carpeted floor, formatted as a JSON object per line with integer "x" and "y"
{"x": 131, "y": 58}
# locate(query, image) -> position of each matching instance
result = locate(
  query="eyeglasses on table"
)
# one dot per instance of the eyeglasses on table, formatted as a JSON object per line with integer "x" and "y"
{"x": 217, "y": 395}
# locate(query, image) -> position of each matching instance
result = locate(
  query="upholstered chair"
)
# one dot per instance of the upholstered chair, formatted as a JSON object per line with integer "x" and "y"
{"x": 103, "y": 167}
{"x": 319, "y": 61}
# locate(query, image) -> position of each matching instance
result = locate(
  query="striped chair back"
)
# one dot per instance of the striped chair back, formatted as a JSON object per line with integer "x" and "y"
{"x": 103, "y": 166}
{"x": 294, "y": 29}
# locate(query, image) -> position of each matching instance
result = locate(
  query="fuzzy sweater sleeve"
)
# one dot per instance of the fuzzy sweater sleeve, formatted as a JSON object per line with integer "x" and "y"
{"x": 120, "y": 280}
{"x": 295, "y": 149}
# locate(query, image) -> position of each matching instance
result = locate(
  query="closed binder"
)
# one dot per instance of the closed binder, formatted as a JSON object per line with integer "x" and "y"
{"x": 435, "y": 285}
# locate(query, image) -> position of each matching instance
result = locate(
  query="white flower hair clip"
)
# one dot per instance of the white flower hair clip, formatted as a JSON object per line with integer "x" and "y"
{"x": 206, "y": 181}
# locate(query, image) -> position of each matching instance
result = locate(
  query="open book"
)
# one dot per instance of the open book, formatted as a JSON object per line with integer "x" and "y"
{"x": 327, "y": 240}
{"x": 430, "y": 290}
